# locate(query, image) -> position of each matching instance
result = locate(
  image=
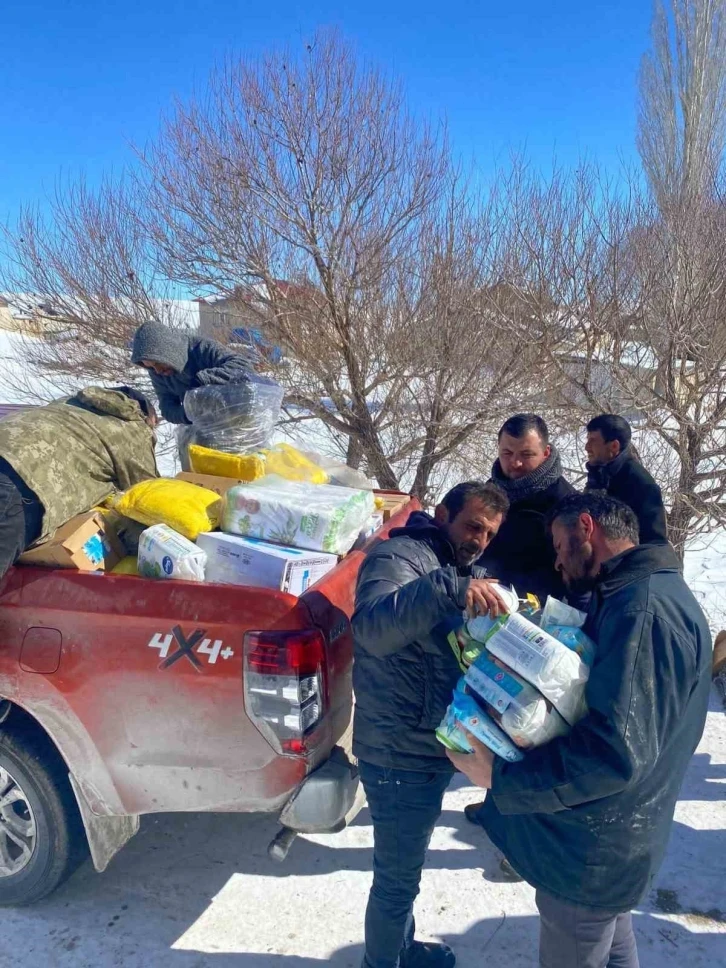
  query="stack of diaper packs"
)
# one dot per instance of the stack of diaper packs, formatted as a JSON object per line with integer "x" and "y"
{"x": 524, "y": 679}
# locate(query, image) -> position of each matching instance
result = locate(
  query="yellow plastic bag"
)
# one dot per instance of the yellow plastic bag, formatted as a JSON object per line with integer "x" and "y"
{"x": 187, "y": 508}
{"x": 127, "y": 566}
{"x": 290, "y": 463}
{"x": 245, "y": 467}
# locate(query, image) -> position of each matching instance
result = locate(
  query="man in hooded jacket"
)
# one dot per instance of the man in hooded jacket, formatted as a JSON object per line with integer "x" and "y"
{"x": 63, "y": 459}
{"x": 178, "y": 362}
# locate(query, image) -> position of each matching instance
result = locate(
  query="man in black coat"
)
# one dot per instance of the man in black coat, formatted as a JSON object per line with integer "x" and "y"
{"x": 412, "y": 589}
{"x": 613, "y": 467}
{"x": 586, "y": 818}
{"x": 528, "y": 469}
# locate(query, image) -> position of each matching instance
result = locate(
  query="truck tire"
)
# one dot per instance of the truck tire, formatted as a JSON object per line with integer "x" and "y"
{"x": 41, "y": 832}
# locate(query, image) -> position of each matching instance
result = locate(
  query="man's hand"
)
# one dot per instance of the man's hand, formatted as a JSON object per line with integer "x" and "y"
{"x": 481, "y": 599}
{"x": 478, "y": 765}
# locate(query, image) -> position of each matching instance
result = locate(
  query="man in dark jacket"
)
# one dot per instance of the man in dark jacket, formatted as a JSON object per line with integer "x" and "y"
{"x": 412, "y": 589}
{"x": 613, "y": 467}
{"x": 528, "y": 469}
{"x": 178, "y": 362}
{"x": 586, "y": 818}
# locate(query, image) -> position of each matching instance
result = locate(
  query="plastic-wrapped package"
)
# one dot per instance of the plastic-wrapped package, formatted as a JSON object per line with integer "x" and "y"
{"x": 465, "y": 710}
{"x": 319, "y": 517}
{"x": 465, "y": 647}
{"x": 522, "y": 712}
{"x": 234, "y": 417}
{"x": 185, "y": 507}
{"x": 565, "y": 623}
{"x": 165, "y": 554}
{"x": 556, "y": 671}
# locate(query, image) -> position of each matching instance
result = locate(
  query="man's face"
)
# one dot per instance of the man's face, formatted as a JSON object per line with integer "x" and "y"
{"x": 471, "y": 530}
{"x": 159, "y": 368}
{"x": 519, "y": 456}
{"x": 598, "y": 450}
{"x": 576, "y": 558}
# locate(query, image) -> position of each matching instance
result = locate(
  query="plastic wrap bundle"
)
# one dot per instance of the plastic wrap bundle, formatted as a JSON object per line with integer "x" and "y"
{"x": 522, "y": 712}
{"x": 319, "y": 517}
{"x": 165, "y": 554}
{"x": 565, "y": 624}
{"x": 465, "y": 711}
{"x": 234, "y": 417}
{"x": 552, "y": 668}
{"x": 464, "y": 646}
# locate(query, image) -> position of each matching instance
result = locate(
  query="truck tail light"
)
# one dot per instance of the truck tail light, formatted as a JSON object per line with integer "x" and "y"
{"x": 284, "y": 685}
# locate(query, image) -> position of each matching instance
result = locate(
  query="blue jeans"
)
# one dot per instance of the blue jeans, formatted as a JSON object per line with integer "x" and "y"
{"x": 404, "y": 807}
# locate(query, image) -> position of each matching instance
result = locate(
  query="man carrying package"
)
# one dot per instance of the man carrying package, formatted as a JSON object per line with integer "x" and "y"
{"x": 585, "y": 819}
{"x": 62, "y": 459}
{"x": 178, "y": 362}
{"x": 411, "y": 590}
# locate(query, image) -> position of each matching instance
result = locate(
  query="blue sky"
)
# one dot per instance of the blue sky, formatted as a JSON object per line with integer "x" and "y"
{"x": 81, "y": 80}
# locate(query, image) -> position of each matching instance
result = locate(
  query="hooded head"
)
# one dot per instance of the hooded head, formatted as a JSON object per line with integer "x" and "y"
{"x": 159, "y": 348}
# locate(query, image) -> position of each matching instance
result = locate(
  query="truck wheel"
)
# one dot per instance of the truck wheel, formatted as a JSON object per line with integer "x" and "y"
{"x": 41, "y": 832}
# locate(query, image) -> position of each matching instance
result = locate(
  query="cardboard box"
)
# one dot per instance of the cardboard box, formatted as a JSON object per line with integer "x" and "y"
{"x": 393, "y": 502}
{"x": 85, "y": 543}
{"x": 235, "y": 560}
{"x": 220, "y": 485}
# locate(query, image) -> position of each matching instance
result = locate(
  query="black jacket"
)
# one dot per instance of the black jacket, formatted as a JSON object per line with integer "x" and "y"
{"x": 208, "y": 363}
{"x": 586, "y": 818}
{"x": 626, "y": 479}
{"x": 522, "y": 554}
{"x": 410, "y": 594}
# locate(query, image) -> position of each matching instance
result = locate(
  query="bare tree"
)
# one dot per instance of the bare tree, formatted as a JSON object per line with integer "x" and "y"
{"x": 310, "y": 170}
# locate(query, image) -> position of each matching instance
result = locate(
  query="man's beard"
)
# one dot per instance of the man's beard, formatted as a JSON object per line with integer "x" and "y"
{"x": 466, "y": 555}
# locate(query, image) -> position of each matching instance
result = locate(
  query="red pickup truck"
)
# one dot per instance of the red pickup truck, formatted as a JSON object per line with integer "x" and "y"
{"x": 121, "y": 696}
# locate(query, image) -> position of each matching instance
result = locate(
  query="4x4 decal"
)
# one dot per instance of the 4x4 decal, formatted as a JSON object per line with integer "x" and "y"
{"x": 186, "y": 646}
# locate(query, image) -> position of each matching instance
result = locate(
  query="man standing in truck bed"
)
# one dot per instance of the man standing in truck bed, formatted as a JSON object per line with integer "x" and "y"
{"x": 411, "y": 589}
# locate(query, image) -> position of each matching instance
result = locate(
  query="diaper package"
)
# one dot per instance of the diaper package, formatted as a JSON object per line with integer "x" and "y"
{"x": 522, "y": 712}
{"x": 565, "y": 624}
{"x": 544, "y": 662}
{"x": 318, "y": 517}
{"x": 465, "y": 710}
{"x": 165, "y": 554}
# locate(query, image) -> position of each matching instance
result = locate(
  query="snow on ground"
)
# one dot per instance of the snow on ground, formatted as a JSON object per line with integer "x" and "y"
{"x": 197, "y": 891}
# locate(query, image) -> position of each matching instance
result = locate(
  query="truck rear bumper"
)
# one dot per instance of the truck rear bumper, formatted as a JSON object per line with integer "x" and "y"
{"x": 326, "y": 799}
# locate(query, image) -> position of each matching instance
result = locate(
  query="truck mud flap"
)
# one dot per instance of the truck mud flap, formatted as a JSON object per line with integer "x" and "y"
{"x": 106, "y": 835}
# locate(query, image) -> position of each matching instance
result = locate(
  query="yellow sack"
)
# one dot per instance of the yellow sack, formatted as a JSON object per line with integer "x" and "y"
{"x": 127, "y": 566}
{"x": 185, "y": 507}
{"x": 288, "y": 462}
{"x": 246, "y": 467}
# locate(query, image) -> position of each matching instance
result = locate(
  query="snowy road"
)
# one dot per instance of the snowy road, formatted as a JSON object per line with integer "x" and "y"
{"x": 197, "y": 891}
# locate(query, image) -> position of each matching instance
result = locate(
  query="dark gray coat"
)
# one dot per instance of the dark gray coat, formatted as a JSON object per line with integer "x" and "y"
{"x": 196, "y": 362}
{"x": 410, "y": 594}
{"x": 626, "y": 479}
{"x": 586, "y": 818}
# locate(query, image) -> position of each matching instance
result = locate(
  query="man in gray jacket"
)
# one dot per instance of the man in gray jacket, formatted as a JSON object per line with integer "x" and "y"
{"x": 178, "y": 362}
{"x": 412, "y": 589}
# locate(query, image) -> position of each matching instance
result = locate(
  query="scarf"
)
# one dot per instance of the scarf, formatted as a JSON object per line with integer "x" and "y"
{"x": 599, "y": 476}
{"x": 524, "y": 487}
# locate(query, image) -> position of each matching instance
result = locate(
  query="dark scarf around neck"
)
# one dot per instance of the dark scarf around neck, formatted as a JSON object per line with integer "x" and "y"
{"x": 539, "y": 480}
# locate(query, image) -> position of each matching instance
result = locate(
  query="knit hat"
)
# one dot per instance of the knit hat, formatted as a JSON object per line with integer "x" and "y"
{"x": 160, "y": 344}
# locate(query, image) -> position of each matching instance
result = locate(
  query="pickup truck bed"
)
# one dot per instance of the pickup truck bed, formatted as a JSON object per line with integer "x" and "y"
{"x": 171, "y": 696}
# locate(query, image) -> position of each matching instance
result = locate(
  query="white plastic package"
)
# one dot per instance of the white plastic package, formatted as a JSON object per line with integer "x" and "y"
{"x": 319, "y": 517}
{"x": 522, "y": 712}
{"x": 564, "y": 623}
{"x": 553, "y": 669}
{"x": 465, "y": 710}
{"x": 164, "y": 553}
